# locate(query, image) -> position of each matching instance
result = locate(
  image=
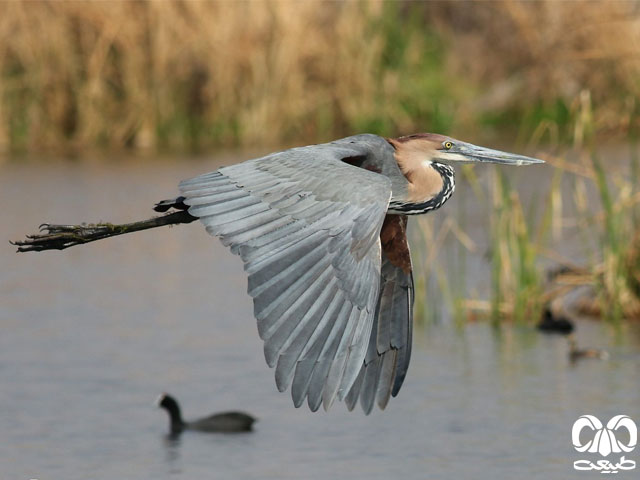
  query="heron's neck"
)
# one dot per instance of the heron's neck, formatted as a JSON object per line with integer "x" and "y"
{"x": 429, "y": 187}
{"x": 425, "y": 182}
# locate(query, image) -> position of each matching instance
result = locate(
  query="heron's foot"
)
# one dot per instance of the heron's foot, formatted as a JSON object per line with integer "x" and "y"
{"x": 48, "y": 228}
{"x": 59, "y": 237}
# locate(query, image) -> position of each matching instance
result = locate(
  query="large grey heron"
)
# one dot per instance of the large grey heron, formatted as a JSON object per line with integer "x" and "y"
{"x": 321, "y": 230}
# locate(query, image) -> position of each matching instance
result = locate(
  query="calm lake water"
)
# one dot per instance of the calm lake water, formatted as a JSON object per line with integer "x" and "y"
{"x": 90, "y": 336}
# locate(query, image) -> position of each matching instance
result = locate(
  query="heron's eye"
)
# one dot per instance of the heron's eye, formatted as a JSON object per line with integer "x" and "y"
{"x": 448, "y": 145}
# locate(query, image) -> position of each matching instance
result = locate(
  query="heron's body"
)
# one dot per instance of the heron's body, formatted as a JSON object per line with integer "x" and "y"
{"x": 322, "y": 233}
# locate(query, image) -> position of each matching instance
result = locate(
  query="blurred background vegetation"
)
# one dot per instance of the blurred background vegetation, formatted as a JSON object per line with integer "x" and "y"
{"x": 196, "y": 76}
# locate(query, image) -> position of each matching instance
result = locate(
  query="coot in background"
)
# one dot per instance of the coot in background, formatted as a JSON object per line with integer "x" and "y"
{"x": 219, "y": 422}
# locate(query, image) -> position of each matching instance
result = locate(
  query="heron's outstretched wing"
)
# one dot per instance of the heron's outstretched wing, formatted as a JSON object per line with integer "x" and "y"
{"x": 307, "y": 227}
{"x": 389, "y": 351}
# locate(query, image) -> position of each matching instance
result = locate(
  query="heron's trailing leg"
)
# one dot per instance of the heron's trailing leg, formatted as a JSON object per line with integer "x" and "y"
{"x": 59, "y": 237}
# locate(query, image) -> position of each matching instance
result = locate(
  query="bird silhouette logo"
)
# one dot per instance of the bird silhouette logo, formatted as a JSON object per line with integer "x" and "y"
{"x": 604, "y": 440}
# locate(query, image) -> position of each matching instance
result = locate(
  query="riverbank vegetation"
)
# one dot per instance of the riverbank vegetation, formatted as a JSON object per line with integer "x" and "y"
{"x": 571, "y": 245}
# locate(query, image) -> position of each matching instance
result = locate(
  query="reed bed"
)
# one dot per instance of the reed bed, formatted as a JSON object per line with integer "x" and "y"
{"x": 612, "y": 273}
{"x": 199, "y": 74}
{"x": 181, "y": 75}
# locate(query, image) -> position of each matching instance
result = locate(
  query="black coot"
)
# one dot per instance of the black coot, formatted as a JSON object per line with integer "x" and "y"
{"x": 219, "y": 422}
{"x": 552, "y": 323}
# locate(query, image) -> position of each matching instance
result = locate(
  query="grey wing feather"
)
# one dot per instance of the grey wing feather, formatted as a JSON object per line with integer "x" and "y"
{"x": 389, "y": 351}
{"x": 307, "y": 227}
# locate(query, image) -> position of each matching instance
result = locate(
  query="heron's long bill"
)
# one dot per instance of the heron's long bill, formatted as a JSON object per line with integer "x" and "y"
{"x": 468, "y": 152}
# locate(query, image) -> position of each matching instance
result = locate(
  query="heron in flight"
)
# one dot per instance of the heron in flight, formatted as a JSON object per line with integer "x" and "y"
{"x": 321, "y": 230}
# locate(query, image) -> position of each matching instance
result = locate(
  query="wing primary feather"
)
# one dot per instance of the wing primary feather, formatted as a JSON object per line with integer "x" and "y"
{"x": 275, "y": 278}
{"x": 356, "y": 353}
{"x": 383, "y": 335}
{"x": 270, "y": 318}
{"x": 277, "y": 334}
{"x": 317, "y": 386}
{"x": 308, "y": 359}
{"x": 404, "y": 353}
{"x": 292, "y": 340}
{"x": 351, "y": 398}
{"x": 337, "y": 370}
{"x": 386, "y": 378}
{"x": 370, "y": 385}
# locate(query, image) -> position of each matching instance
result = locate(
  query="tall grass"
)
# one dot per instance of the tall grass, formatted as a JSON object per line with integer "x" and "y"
{"x": 516, "y": 276}
{"x": 536, "y": 58}
{"x": 179, "y": 74}
{"x": 440, "y": 279}
{"x": 610, "y": 233}
{"x": 191, "y": 74}
{"x": 613, "y": 271}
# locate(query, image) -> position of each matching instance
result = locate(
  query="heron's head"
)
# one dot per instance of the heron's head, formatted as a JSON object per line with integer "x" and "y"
{"x": 425, "y": 148}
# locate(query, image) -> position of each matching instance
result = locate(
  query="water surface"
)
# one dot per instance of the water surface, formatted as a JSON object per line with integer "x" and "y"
{"x": 91, "y": 335}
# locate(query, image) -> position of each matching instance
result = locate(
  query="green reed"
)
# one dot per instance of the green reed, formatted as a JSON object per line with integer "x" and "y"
{"x": 516, "y": 275}
{"x": 615, "y": 276}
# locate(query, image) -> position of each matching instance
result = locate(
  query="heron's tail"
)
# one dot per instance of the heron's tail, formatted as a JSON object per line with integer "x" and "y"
{"x": 59, "y": 237}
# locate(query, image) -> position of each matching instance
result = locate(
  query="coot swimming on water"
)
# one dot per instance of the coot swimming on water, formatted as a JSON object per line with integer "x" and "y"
{"x": 552, "y": 323}
{"x": 576, "y": 353}
{"x": 218, "y": 422}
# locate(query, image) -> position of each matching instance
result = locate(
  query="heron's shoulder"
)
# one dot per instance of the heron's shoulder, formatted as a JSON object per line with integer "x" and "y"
{"x": 366, "y": 140}
{"x": 366, "y": 145}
